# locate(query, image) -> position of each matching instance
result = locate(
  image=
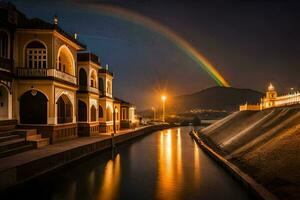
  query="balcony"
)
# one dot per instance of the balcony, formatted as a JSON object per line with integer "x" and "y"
{"x": 6, "y": 63}
{"x": 94, "y": 90}
{"x": 85, "y": 88}
{"x": 26, "y": 72}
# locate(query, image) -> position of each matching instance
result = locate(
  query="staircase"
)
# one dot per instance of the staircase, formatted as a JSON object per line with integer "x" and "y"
{"x": 13, "y": 141}
{"x": 32, "y": 136}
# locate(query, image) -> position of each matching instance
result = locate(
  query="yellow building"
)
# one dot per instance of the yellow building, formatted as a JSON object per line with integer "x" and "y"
{"x": 88, "y": 94}
{"x": 270, "y": 98}
{"x": 50, "y": 83}
{"x": 273, "y": 100}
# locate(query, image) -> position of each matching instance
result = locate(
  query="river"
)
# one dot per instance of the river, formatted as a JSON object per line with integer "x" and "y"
{"x": 165, "y": 165}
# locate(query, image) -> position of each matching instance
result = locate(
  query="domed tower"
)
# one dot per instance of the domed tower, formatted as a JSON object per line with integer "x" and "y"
{"x": 271, "y": 95}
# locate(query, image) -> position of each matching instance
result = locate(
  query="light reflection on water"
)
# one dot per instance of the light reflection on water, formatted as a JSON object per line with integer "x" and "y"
{"x": 111, "y": 179}
{"x": 196, "y": 165}
{"x": 167, "y": 165}
{"x": 170, "y": 165}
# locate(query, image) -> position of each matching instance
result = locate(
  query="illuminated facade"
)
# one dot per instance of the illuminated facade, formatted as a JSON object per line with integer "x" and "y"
{"x": 273, "y": 100}
{"x": 50, "y": 83}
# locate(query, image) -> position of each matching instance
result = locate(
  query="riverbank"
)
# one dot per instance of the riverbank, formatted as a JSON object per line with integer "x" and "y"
{"x": 25, "y": 166}
{"x": 249, "y": 183}
{"x": 263, "y": 144}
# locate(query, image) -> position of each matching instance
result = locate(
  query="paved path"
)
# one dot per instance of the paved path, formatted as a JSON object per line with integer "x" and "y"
{"x": 35, "y": 154}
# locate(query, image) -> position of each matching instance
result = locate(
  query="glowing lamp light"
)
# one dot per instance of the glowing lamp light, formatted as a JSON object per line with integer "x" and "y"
{"x": 163, "y": 98}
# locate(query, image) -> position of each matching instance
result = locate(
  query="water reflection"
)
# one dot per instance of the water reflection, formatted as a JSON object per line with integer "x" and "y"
{"x": 111, "y": 179}
{"x": 170, "y": 174}
{"x": 164, "y": 165}
{"x": 196, "y": 166}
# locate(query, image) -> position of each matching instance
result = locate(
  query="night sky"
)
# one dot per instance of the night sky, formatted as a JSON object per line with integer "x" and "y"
{"x": 250, "y": 42}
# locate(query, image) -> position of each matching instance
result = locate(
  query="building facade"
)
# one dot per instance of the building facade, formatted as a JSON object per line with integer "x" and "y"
{"x": 273, "y": 100}
{"x": 49, "y": 82}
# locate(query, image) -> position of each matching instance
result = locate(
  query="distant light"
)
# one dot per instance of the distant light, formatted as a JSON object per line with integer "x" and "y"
{"x": 55, "y": 20}
{"x": 163, "y": 98}
{"x": 271, "y": 87}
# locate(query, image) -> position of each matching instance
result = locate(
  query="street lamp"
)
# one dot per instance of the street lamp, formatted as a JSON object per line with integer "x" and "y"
{"x": 163, "y": 98}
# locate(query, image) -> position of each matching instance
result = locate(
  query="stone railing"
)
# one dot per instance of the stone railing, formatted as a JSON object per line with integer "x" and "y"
{"x": 94, "y": 90}
{"x": 26, "y": 72}
{"x": 86, "y": 88}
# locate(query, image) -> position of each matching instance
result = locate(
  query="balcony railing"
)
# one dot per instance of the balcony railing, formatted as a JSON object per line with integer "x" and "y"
{"x": 94, "y": 90}
{"x": 6, "y": 63}
{"x": 88, "y": 88}
{"x": 26, "y": 72}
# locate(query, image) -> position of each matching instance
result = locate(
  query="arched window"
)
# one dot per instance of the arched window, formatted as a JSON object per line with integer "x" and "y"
{"x": 93, "y": 80}
{"x": 3, "y": 44}
{"x": 33, "y": 108}
{"x": 101, "y": 85}
{"x": 109, "y": 114}
{"x": 108, "y": 87}
{"x": 82, "y": 111}
{"x": 93, "y": 113}
{"x": 64, "y": 110}
{"x": 65, "y": 61}
{"x": 100, "y": 112}
{"x": 36, "y": 55}
{"x": 82, "y": 79}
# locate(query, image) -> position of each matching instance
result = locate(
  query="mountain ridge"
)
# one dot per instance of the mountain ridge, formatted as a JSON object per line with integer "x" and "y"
{"x": 216, "y": 98}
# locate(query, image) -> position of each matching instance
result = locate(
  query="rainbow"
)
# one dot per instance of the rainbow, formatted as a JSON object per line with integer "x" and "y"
{"x": 134, "y": 17}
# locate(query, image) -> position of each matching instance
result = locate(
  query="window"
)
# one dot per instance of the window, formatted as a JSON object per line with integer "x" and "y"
{"x": 3, "y": 44}
{"x": 93, "y": 113}
{"x": 93, "y": 80}
{"x": 82, "y": 79}
{"x": 64, "y": 110}
{"x": 65, "y": 61}
{"x": 101, "y": 85}
{"x": 124, "y": 114}
{"x": 82, "y": 111}
{"x": 36, "y": 55}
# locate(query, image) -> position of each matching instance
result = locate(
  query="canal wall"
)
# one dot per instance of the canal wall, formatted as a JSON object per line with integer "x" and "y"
{"x": 25, "y": 166}
{"x": 255, "y": 189}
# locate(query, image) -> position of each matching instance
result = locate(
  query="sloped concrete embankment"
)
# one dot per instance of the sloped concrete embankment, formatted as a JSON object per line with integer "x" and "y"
{"x": 264, "y": 144}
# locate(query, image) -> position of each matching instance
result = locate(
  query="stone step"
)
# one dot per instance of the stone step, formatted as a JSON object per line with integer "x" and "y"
{"x": 33, "y": 137}
{"x": 8, "y": 137}
{"x": 26, "y": 132}
{"x": 4, "y": 146}
{"x": 16, "y": 150}
{"x": 38, "y": 143}
{"x": 7, "y": 127}
{"x": 7, "y": 133}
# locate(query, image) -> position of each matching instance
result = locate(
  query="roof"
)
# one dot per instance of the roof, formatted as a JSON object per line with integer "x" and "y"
{"x": 36, "y": 23}
{"x": 88, "y": 56}
{"x": 122, "y": 101}
{"x": 103, "y": 70}
{"x": 10, "y": 15}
